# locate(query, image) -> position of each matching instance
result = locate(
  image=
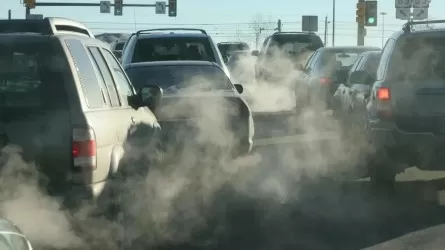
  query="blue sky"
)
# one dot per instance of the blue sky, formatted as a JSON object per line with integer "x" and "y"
{"x": 229, "y": 19}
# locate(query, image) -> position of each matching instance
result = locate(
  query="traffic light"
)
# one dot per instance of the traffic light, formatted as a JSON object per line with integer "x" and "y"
{"x": 118, "y": 6}
{"x": 360, "y": 13}
{"x": 30, "y": 4}
{"x": 172, "y": 8}
{"x": 371, "y": 13}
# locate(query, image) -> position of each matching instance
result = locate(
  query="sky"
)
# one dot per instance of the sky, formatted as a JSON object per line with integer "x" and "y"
{"x": 231, "y": 20}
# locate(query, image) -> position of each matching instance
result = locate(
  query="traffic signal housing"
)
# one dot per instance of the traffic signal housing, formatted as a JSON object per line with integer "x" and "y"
{"x": 30, "y": 4}
{"x": 371, "y": 13}
{"x": 360, "y": 13}
{"x": 172, "y": 8}
{"x": 118, "y": 6}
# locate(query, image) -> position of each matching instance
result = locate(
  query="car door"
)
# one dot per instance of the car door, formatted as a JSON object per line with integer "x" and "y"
{"x": 139, "y": 118}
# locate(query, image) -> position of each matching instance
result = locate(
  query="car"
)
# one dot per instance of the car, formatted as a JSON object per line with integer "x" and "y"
{"x": 197, "y": 91}
{"x": 296, "y": 45}
{"x": 117, "y": 48}
{"x": 61, "y": 87}
{"x": 406, "y": 104}
{"x": 171, "y": 44}
{"x": 226, "y": 48}
{"x": 350, "y": 96}
{"x": 240, "y": 65}
{"x": 12, "y": 238}
{"x": 324, "y": 71}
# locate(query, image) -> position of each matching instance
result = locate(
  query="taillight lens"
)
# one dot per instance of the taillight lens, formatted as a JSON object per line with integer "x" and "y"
{"x": 325, "y": 80}
{"x": 383, "y": 94}
{"x": 84, "y": 149}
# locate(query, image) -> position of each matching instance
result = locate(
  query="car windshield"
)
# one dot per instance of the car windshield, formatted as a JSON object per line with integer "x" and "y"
{"x": 419, "y": 57}
{"x": 180, "y": 76}
{"x": 173, "y": 49}
{"x": 30, "y": 75}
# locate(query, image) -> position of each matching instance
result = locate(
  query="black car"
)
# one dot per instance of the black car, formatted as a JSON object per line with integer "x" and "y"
{"x": 227, "y": 48}
{"x": 350, "y": 96}
{"x": 295, "y": 46}
{"x": 197, "y": 92}
{"x": 324, "y": 71}
{"x": 406, "y": 107}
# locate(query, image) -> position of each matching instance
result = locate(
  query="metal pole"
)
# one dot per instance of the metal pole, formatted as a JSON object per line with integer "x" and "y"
{"x": 27, "y": 12}
{"x": 360, "y": 31}
{"x": 333, "y": 22}
{"x": 325, "y": 30}
{"x": 9, "y": 14}
{"x": 383, "y": 27}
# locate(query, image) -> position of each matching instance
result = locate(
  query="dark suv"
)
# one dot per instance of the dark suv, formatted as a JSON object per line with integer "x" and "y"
{"x": 297, "y": 46}
{"x": 406, "y": 107}
{"x": 67, "y": 103}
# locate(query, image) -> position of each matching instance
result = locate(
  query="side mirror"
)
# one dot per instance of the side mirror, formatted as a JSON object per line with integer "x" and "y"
{"x": 150, "y": 96}
{"x": 300, "y": 67}
{"x": 239, "y": 88}
{"x": 255, "y": 53}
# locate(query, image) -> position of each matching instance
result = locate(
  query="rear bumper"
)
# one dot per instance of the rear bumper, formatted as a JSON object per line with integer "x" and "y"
{"x": 424, "y": 150}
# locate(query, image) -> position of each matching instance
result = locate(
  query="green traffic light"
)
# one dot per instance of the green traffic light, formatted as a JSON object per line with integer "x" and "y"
{"x": 371, "y": 20}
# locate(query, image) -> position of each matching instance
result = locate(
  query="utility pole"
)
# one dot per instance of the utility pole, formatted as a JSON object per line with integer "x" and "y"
{"x": 333, "y": 22}
{"x": 279, "y": 25}
{"x": 27, "y": 12}
{"x": 383, "y": 26}
{"x": 361, "y": 28}
{"x": 326, "y": 30}
{"x": 9, "y": 14}
{"x": 257, "y": 37}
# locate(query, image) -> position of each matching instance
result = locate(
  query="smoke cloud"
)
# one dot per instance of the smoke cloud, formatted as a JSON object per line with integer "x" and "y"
{"x": 192, "y": 192}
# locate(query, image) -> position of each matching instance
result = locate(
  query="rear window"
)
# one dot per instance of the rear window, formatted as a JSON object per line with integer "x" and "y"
{"x": 31, "y": 75}
{"x": 336, "y": 60}
{"x": 418, "y": 57}
{"x": 173, "y": 49}
{"x": 372, "y": 62}
{"x": 180, "y": 76}
{"x": 227, "y": 49}
{"x": 297, "y": 42}
{"x": 118, "y": 46}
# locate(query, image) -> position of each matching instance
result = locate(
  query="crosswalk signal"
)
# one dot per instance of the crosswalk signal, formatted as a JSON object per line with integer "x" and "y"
{"x": 371, "y": 13}
{"x": 31, "y": 4}
{"x": 360, "y": 13}
{"x": 172, "y": 8}
{"x": 118, "y": 6}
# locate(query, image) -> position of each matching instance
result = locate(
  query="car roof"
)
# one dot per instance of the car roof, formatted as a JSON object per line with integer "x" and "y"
{"x": 170, "y": 35}
{"x": 172, "y": 63}
{"x": 372, "y": 52}
{"x": 342, "y": 48}
{"x": 223, "y": 43}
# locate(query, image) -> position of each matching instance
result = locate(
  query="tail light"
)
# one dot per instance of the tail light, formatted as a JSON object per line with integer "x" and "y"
{"x": 84, "y": 148}
{"x": 325, "y": 80}
{"x": 383, "y": 96}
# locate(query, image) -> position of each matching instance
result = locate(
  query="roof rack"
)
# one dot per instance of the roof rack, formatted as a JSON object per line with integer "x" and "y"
{"x": 408, "y": 26}
{"x": 46, "y": 26}
{"x": 172, "y": 29}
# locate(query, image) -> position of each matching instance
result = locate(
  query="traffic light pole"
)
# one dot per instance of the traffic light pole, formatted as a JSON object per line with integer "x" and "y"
{"x": 361, "y": 30}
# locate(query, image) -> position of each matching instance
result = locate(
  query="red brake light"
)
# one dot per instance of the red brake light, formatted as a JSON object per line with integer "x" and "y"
{"x": 84, "y": 149}
{"x": 383, "y": 94}
{"x": 325, "y": 80}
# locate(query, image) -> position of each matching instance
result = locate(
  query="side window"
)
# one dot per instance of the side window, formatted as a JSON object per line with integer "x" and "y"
{"x": 386, "y": 53}
{"x": 311, "y": 65}
{"x": 106, "y": 75}
{"x": 354, "y": 68}
{"x": 360, "y": 64}
{"x": 94, "y": 95}
{"x": 122, "y": 83}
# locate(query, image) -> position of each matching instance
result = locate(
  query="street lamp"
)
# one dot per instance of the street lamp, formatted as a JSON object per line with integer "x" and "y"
{"x": 383, "y": 27}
